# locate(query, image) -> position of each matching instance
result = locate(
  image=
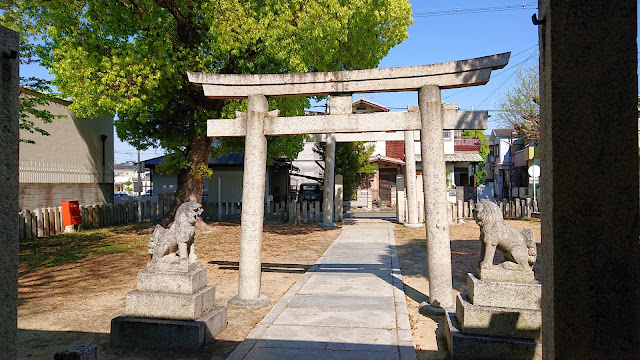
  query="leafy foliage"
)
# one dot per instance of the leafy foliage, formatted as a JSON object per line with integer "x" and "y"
{"x": 352, "y": 162}
{"x": 520, "y": 106}
{"x": 131, "y": 57}
{"x": 481, "y": 173}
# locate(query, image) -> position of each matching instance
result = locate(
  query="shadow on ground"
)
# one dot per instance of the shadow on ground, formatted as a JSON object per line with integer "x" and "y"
{"x": 37, "y": 344}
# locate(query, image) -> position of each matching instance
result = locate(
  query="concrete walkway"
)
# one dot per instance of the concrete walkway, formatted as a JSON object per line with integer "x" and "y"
{"x": 349, "y": 305}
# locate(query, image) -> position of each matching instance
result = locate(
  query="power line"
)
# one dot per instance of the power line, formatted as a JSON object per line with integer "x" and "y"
{"x": 478, "y": 10}
{"x": 505, "y": 70}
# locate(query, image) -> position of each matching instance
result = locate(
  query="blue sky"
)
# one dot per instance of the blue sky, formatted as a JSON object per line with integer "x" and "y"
{"x": 480, "y": 28}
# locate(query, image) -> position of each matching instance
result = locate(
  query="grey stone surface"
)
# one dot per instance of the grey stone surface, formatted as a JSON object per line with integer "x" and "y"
{"x": 260, "y": 301}
{"x": 176, "y": 266}
{"x": 328, "y": 186}
{"x": 170, "y": 306}
{"x": 497, "y": 321}
{"x": 177, "y": 244}
{"x": 342, "y": 301}
{"x": 588, "y": 92}
{"x": 504, "y": 294}
{"x": 159, "y": 334}
{"x": 372, "y": 123}
{"x": 306, "y": 325}
{"x": 9, "y": 92}
{"x": 172, "y": 282}
{"x": 519, "y": 249}
{"x": 500, "y": 274}
{"x": 165, "y": 334}
{"x": 253, "y": 188}
{"x": 410, "y": 178}
{"x": 78, "y": 352}
{"x": 478, "y": 347}
{"x": 445, "y": 75}
{"x": 434, "y": 185}
{"x": 215, "y": 321}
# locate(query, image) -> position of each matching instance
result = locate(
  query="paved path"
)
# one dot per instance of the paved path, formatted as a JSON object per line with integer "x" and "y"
{"x": 349, "y": 305}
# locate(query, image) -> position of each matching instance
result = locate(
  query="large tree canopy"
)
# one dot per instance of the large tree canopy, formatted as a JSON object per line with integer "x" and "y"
{"x": 130, "y": 58}
{"x": 520, "y": 106}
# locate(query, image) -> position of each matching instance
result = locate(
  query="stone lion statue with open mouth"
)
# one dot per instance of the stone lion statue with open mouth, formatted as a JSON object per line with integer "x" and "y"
{"x": 165, "y": 245}
{"x": 519, "y": 249}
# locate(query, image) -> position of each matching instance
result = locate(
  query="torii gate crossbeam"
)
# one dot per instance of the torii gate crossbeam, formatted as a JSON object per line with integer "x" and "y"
{"x": 430, "y": 119}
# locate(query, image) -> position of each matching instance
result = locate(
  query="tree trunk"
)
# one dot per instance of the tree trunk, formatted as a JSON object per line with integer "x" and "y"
{"x": 190, "y": 183}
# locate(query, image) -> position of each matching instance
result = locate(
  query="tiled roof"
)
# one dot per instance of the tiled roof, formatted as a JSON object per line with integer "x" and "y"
{"x": 380, "y": 158}
{"x": 502, "y": 132}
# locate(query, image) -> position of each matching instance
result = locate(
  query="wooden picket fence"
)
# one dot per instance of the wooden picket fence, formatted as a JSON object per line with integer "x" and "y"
{"x": 44, "y": 222}
{"x": 517, "y": 208}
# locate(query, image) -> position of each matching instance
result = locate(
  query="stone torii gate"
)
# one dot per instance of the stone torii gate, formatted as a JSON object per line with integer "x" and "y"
{"x": 451, "y": 116}
{"x": 428, "y": 117}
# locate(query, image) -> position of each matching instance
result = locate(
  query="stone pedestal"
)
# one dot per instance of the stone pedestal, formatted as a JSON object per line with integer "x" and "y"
{"x": 496, "y": 319}
{"x": 170, "y": 310}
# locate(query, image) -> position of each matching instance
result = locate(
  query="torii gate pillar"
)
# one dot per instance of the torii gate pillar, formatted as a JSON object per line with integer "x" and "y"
{"x": 253, "y": 185}
{"x": 435, "y": 202}
{"x": 410, "y": 178}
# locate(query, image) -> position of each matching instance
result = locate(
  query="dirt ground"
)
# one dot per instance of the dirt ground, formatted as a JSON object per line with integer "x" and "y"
{"x": 73, "y": 303}
{"x": 465, "y": 256}
{"x": 71, "y": 287}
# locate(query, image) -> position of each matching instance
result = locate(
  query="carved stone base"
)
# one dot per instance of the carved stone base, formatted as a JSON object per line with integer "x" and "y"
{"x": 164, "y": 334}
{"x": 261, "y": 301}
{"x": 497, "y": 321}
{"x": 498, "y": 273}
{"x": 172, "y": 281}
{"x": 158, "y": 305}
{"x": 504, "y": 294}
{"x": 477, "y": 347}
{"x": 175, "y": 266}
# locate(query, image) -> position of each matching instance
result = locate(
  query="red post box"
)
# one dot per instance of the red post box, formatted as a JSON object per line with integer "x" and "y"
{"x": 71, "y": 213}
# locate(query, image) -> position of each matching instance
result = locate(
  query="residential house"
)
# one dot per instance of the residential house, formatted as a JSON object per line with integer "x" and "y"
{"x": 74, "y": 163}
{"x": 126, "y": 176}
{"x": 461, "y": 155}
{"x": 225, "y": 185}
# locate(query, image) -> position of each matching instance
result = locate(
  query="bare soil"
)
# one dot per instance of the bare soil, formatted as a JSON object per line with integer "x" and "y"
{"x": 79, "y": 283}
{"x": 71, "y": 286}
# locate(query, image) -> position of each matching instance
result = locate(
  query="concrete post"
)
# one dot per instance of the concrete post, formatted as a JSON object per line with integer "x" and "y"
{"x": 327, "y": 188}
{"x": 339, "y": 197}
{"x": 410, "y": 176}
{"x": 400, "y": 203}
{"x": 435, "y": 190}
{"x": 588, "y": 93}
{"x": 253, "y": 188}
{"x": 9, "y": 93}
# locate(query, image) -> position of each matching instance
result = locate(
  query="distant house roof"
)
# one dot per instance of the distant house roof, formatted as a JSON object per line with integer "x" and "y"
{"x": 228, "y": 159}
{"x": 357, "y": 106}
{"x": 380, "y": 158}
{"x": 502, "y": 132}
{"x": 467, "y": 145}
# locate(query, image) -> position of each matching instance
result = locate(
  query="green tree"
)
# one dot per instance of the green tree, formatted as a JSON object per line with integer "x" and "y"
{"x": 520, "y": 106}
{"x": 130, "y": 57}
{"x": 481, "y": 173}
{"x": 352, "y": 162}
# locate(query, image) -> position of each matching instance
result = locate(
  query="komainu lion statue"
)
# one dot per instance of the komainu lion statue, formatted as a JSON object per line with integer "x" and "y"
{"x": 165, "y": 245}
{"x": 519, "y": 249}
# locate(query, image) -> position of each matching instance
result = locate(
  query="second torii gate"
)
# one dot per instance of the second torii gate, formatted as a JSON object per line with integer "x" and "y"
{"x": 429, "y": 118}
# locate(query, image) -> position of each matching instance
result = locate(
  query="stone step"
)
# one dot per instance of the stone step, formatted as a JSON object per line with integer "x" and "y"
{"x": 163, "y": 334}
{"x": 172, "y": 282}
{"x": 147, "y": 304}
{"x": 503, "y": 294}
{"x": 464, "y": 346}
{"x": 497, "y": 321}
